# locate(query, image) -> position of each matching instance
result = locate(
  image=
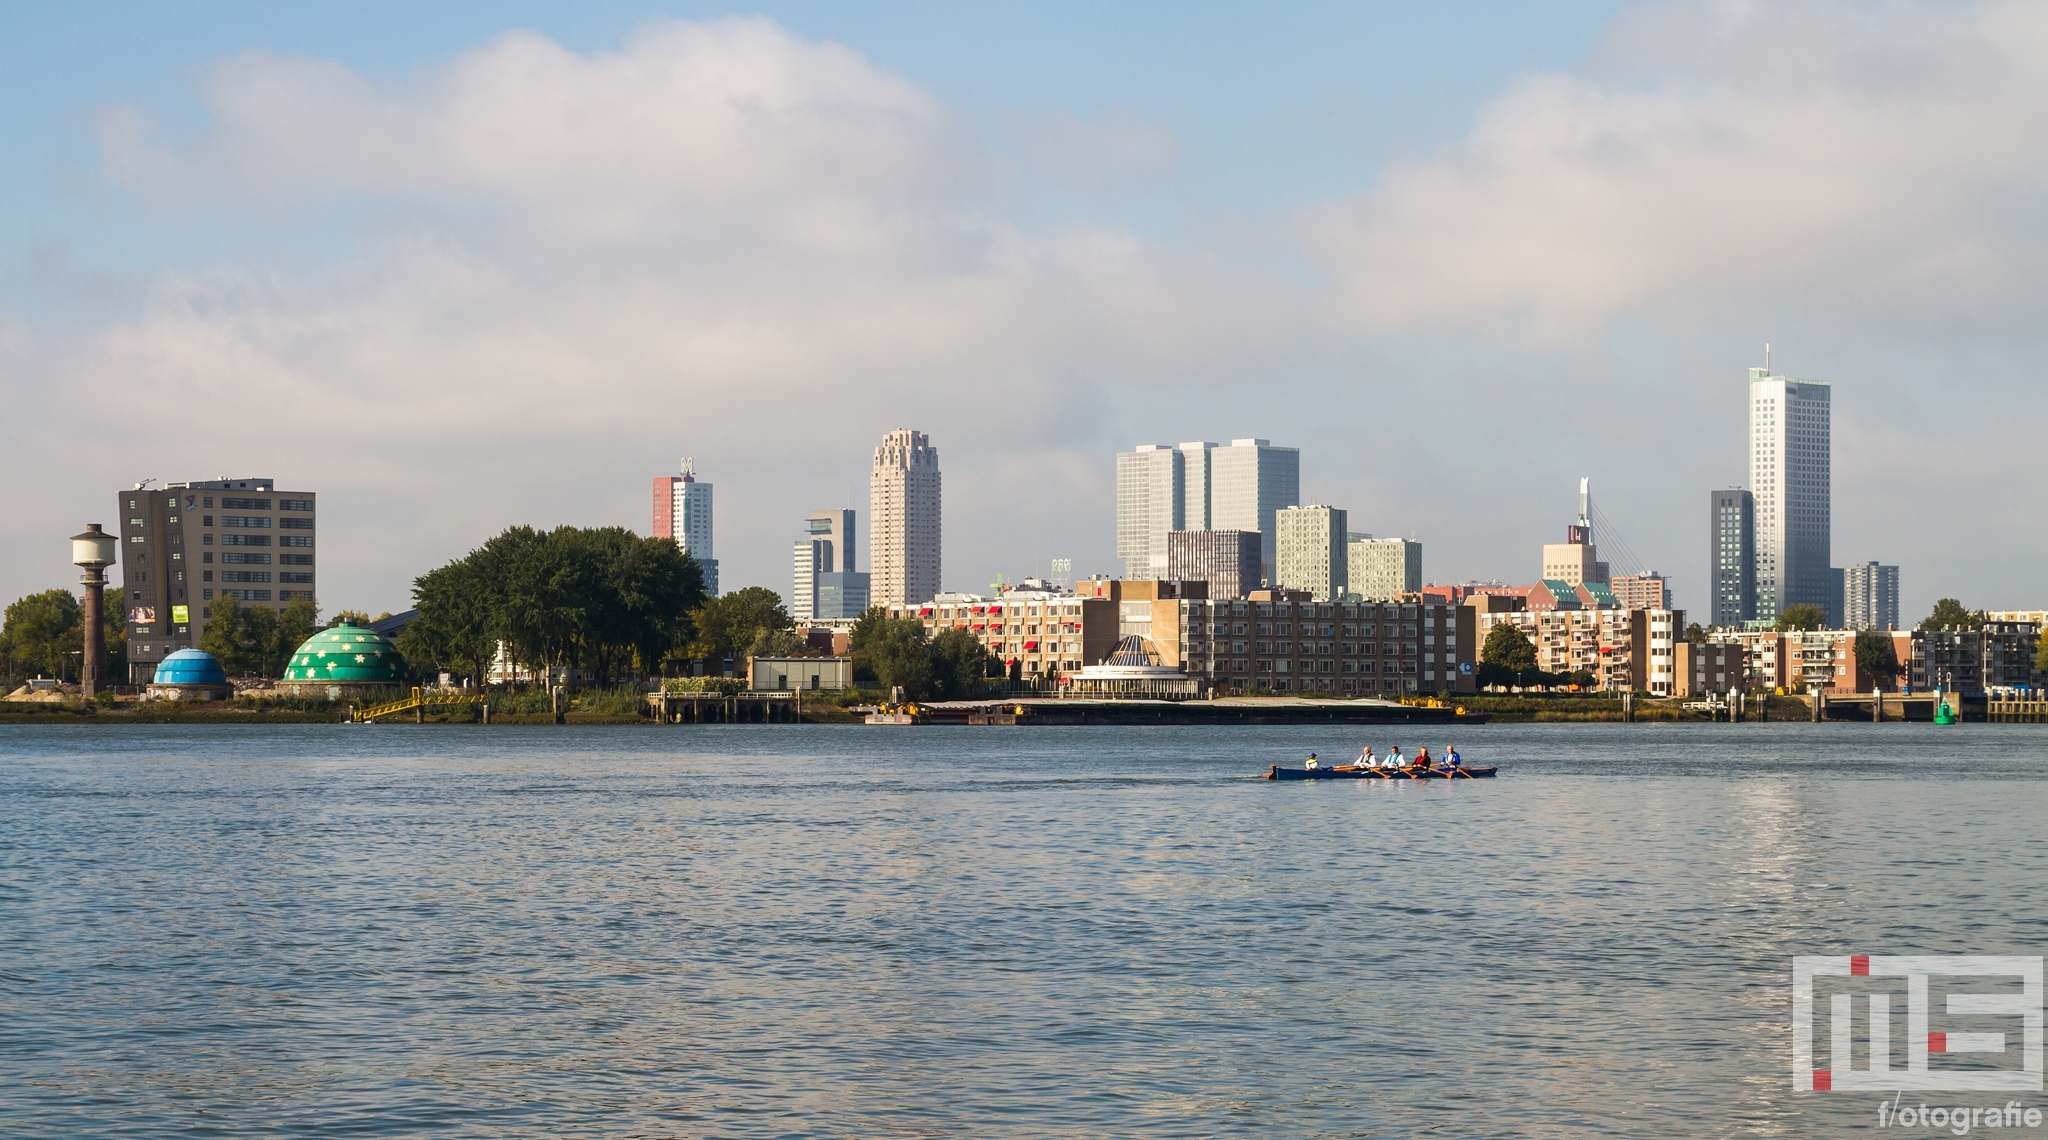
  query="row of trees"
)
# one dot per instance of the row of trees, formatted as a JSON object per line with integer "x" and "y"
{"x": 602, "y": 599}
{"x": 44, "y": 635}
{"x": 257, "y": 640}
{"x": 890, "y": 652}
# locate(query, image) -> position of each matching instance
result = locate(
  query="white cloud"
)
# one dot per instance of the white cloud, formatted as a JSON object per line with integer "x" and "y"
{"x": 726, "y": 241}
{"x": 1097, "y": 156}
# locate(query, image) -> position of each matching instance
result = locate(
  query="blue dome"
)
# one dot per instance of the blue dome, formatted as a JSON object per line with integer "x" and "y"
{"x": 190, "y": 667}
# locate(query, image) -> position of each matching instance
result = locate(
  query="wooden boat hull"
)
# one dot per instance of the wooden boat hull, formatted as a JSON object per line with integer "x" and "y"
{"x": 1279, "y": 773}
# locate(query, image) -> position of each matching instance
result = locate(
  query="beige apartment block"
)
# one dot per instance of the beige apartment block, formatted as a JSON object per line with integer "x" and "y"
{"x": 1383, "y": 569}
{"x": 1632, "y": 650}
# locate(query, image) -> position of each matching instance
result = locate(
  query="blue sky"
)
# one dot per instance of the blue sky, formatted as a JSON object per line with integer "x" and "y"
{"x": 522, "y": 257}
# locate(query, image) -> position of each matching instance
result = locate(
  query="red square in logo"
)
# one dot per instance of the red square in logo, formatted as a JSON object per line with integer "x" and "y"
{"x": 1859, "y": 965}
{"x": 1823, "y": 1080}
{"x": 1937, "y": 1042}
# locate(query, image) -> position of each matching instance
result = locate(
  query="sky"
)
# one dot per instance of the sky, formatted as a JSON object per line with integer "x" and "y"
{"x": 463, "y": 266}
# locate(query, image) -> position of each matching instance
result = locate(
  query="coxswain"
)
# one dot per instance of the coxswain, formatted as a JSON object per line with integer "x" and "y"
{"x": 1312, "y": 764}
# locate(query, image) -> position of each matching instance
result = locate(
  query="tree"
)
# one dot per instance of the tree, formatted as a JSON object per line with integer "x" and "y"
{"x": 1508, "y": 647}
{"x": 114, "y": 623}
{"x": 901, "y": 657}
{"x": 727, "y": 625}
{"x": 1805, "y": 615}
{"x": 1876, "y": 656}
{"x": 2041, "y": 654}
{"x": 1950, "y": 614}
{"x": 858, "y": 639}
{"x": 242, "y": 638}
{"x": 348, "y": 617}
{"x": 776, "y": 643}
{"x": 299, "y": 620}
{"x": 42, "y": 632}
{"x": 1695, "y": 634}
{"x": 959, "y": 665}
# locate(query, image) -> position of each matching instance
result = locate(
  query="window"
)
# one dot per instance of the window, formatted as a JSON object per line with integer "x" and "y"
{"x": 137, "y": 538}
{"x": 206, "y": 520}
{"x": 207, "y": 541}
{"x": 295, "y": 559}
{"x": 206, "y": 575}
{"x": 237, "y": 557}
{"x": 245, "y": 540}
{"x": 291, "y": 540}
{"x": 177, "y": 557}
{"x": 134, "y": 522}
{"x": 247, "y": 595}
{"x": 245, "y": 504}
{"x": 295, "y": 504}
{"x": 245, "y": 575}
{"x": 173, "y": 520}
{"x": 295, "y": 524}
{"x": 289, "y": 576}
{"x": 206, "y": 557}
{"x": 208, "y": 594}
{"x": 246, "y": 522}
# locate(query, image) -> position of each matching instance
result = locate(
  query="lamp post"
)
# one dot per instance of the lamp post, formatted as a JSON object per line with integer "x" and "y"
{"x": 93, "y": 551}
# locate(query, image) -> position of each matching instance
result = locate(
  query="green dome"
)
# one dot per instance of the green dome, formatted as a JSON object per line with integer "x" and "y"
{"x": 346, "y": 653}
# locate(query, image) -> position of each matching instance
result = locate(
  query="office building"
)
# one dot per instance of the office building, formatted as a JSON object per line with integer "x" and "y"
{"x": 189, "y": 543}
{"x": 1649, "y": 591}
{"x": 1870, "y": 596}
{"x": 1790, "y": 437}
{"x": 1310, "y": 552}
{"x": 1250, "y": 481}
{"x": 1732, "y": 561}
{"x": 1228, "y": 560}
{"x": 1200, "y": 486}
{"x": 826, "y": 586}
{"x": 682, "y": 511}
{"x": 1382, "y": 569}
{"x": 1576, "y": 559}
{"x": 903, "y": 520}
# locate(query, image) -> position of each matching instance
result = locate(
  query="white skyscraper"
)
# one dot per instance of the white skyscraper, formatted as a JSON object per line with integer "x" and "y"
{"x": 1248, "y": 482}
{"x": 1200, "y": 486}
{"x": 1790, "y": 438}
{"x": 903, "y": 520}
{"x": 682, "y": 511}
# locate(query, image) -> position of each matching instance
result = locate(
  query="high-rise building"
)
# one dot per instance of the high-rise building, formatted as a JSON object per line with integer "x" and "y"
{"x": 682, "y": 511}
{"x": 1250, "y": 481}
{"x": 1200, "y": 486}
{"x": 903, "y": 520}
{"x": 1732, "y": 562}
{"x": 1228, "y": 560}
{"x": 1870, "y": 596}
{"x": 188, "y": 544}
{"x": 1790, "y": 438}
{"x": 1650, "y": 591}
{"x": 827, "y": 588}
{"x": 1383, "y": 569}
{"x": 1310, "y": 552}
{"x": 1576, "y": 560}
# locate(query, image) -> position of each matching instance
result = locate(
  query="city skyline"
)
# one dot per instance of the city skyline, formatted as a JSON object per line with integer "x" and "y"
{"x": 1434, "y": 285}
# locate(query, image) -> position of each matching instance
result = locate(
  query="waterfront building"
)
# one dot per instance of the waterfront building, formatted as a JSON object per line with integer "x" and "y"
{"x": 1382, "y": 569}
{"x": 1702, "y": 667}
{"x": 1999, "y": 656}
{"x": 786, "y": 674}
{"x": 1790, "y": 441}
{"x": 1310, "y": 551}
{"x": 1651, "y": 591}
{"x": 1622, "y": 649}
{"x": 903, "y": 520}
{"x": 1227, "y": 560}
{"x": 826, "y": 586}
{"x": 1732, "y": 562}
{"x": 187, "y": 543}
{"x": 1870, "y": 596}
{"x": 1280, "y": 642}
{"x": 1036, "y": 634}
{"x": 682, "y": 511}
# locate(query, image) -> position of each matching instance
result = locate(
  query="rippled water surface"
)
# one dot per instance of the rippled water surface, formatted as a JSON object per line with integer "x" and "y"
{"x": 792, "y": 930}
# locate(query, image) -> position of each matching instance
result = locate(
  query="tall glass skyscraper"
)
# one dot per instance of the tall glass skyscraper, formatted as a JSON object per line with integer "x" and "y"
{"x": 1790, "y": 439}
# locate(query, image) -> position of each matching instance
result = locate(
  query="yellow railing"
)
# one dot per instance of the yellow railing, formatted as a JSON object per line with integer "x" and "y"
{"x": 420, "y": 699}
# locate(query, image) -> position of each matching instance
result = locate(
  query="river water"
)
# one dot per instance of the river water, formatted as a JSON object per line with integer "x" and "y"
{"x": 799, "y": 930}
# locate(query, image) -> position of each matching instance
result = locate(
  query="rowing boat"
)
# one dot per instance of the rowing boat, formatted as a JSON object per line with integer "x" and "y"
{"x": 1279, "y": 773}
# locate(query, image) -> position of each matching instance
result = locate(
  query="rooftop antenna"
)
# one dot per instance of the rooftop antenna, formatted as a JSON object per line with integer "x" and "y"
{"x": 1586, "y": 507}
{"x": 1767, "y": 358}
{"x": 689, "y": 468}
